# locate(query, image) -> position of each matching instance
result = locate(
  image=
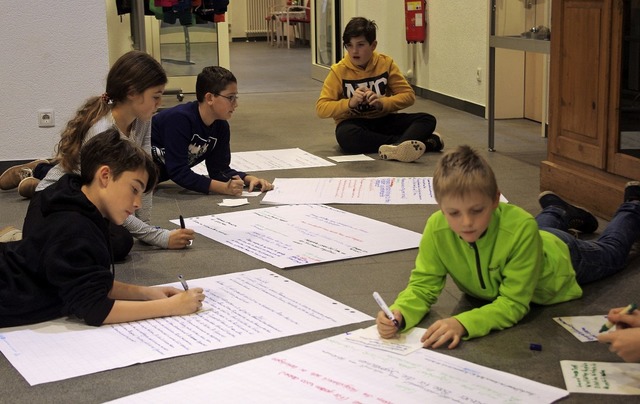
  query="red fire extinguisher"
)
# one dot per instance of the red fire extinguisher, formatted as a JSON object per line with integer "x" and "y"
{"x": 415, "y": 20}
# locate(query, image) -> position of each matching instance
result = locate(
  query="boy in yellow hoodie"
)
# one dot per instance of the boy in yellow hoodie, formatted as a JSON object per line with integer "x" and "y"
{"x": 363, "y": 93}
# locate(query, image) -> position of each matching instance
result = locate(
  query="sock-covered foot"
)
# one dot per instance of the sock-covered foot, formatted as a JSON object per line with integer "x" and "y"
{"x": 407, "y": 151}
{"x": 576, "y": 218}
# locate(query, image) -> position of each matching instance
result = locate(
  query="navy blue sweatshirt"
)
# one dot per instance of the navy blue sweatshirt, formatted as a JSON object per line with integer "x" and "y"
{"x": 180, "y": 140}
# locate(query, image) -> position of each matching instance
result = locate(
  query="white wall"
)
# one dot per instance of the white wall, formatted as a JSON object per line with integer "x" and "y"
{"x": 456, "y": 45}
{"x": 58, "y": 58}
{"x": 53, "y": 56}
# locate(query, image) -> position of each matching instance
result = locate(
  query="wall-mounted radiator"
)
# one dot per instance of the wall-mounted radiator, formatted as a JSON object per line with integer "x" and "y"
{"x": 257, "y": 10}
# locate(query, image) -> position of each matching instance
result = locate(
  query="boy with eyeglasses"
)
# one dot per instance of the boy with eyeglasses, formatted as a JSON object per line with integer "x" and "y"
{"x": 187, "y": 134}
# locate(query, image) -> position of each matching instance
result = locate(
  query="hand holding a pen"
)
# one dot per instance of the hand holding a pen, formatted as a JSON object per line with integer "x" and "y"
{"x": 624, "y": 317}
{"x": 388, "y": 322}
{"x": 187, "y": 302}
{"x": 386, "y": 327}
{"x": 624, "y": 341}
{"x": 234, "y": 186}
{"x": 180, "y": 238}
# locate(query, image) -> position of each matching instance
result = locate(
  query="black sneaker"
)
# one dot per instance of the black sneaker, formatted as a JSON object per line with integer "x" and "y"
{"x": 576, "y": 218}
{"x": 632, "y": 191}
{"x": 434, "y": 142}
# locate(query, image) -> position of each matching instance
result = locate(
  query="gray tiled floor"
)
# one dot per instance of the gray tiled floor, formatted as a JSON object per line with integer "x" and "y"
{"x": 277, "y": 111}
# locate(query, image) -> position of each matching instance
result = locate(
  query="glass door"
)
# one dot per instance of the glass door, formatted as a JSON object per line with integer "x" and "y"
{"x": 326, "y": 46}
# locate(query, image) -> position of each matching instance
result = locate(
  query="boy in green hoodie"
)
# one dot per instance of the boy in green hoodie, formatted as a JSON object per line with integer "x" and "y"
{"x": 499, "y": 253}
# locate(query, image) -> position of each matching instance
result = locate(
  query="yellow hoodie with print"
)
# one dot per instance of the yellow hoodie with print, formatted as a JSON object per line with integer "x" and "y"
{"x": 381, "y": 75}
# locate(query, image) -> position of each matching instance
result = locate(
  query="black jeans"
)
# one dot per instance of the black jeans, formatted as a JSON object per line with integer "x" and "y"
{"x": 360, "y": 135}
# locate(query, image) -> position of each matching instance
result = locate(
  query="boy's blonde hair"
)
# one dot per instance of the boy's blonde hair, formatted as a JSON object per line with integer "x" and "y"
{"x": 461, "y": 172}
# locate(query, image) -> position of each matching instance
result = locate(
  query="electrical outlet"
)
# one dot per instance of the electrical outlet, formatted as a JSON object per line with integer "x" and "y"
{"x": 46, "y": 118}
{"x": 479, "y": 74}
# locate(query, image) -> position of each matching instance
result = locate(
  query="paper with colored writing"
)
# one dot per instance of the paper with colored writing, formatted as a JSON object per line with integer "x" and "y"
{"x": 338, "y": 370}
{"x": 352, "y": 190}
{"x": 584, "y": 328}
{"x": 601, "y": 377}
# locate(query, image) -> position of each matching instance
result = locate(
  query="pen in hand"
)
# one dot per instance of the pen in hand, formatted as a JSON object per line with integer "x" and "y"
{"x": 627, "y": 310}
{"x": 385, "y": 309}
{"x": 182, "y": 225}
{"x": 183, "y": 282}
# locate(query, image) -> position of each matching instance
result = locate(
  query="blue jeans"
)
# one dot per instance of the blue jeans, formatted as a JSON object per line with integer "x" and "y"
{"x": 596, "y": 259}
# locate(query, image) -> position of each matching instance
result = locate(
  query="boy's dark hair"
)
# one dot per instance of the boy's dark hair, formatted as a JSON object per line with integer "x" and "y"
{"x": 108, "y": 148}
{"x": 213, "y": 79}
{"x": 462, "y": 171}
{"x": 359, "y": 26}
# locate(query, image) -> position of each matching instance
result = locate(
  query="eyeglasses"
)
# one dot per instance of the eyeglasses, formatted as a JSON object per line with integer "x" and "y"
{"x": 231, "y": 98}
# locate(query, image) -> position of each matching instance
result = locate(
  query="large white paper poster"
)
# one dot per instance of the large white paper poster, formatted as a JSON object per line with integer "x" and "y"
{"x": 241, "y": 308}
{"x": 293, "y": 235}
{"x": 339, "y": 370}
{"x": 363, "y": 190}
{"x": 265, "y": 160}
{"x": 353, "y": 190}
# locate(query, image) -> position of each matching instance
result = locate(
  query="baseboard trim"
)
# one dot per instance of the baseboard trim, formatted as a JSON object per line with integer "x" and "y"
{"x": 250, "y": 39}
{"x": 4, "y": 165}
{"x": 449, "y": 101}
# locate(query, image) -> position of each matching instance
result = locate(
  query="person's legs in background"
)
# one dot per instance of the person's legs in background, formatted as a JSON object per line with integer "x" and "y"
{"x": 399, "y": 136}
{"x": 12, "y": 176}
{"x": 27, "y": 186}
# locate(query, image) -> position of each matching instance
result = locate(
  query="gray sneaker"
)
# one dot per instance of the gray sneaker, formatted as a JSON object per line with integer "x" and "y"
{"x": 407, "y": 151}
{"x": 10, "y": 233}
